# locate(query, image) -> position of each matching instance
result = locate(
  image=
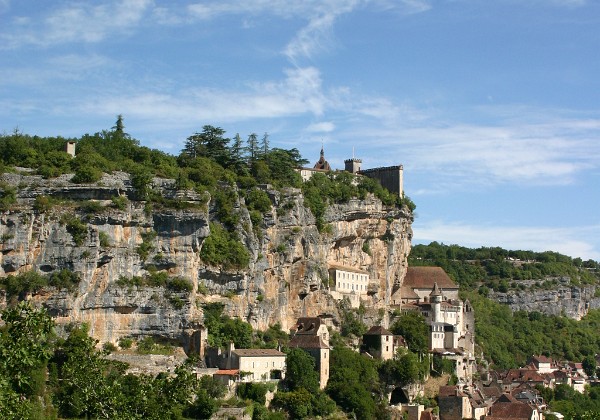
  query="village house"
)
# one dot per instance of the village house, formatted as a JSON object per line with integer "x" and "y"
{"x": 380, "y": 343}
{"x": 311, "y": 335}
{"x": 508, "y": 407}
{"x": 247, "y": 365}
{"x": 348, "y": 282}
{"x": 454, "y": 404}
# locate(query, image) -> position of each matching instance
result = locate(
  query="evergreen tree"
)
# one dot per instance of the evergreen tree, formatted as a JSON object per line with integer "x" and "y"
{"x": 264, "y": 144}
{"x": 209, "y": 143}
{"x": 252, "y": 147}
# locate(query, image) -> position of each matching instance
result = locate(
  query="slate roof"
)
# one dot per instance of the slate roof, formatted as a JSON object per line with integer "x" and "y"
{"x": 307, "y": 342}
{"x": 258, "y": 353}
{"x": 510, "y": 410}
{"x": 378, "y": 330}
{"x": 426, "y": 277}
{"x": 308, "y": 325}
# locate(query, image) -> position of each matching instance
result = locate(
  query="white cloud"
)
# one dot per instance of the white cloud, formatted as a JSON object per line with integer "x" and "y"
{"x": 575, "y": 242}
{"x": 321, "y": 127}
{"x": 78, "y": 22}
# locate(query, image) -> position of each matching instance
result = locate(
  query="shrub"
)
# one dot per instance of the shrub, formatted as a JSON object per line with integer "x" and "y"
{"x": 108, "y": 347}
{"x": 91, "y": 207}
{"x": 180, "y": 284}
{"x": 119, "y": 202}
{"x": 8, "y": 196}
{"x": 125, "y": 342}
{"x": 146, "y": 246}
{"x": 223, "y": 248}
{"x": 75, "y": 227}
{"x": 104, "y": 239}
{"x": 86, "y": 174}
{"x": 64, "y": 279}
{"x": 43, "y": 203}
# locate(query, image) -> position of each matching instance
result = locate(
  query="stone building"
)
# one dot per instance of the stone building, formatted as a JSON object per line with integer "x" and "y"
{"x": 254, "y": 364}
{"x": 381, "y": 343}
{"x": 311, "y": 335}
{"x": 348, "y": 282}
{"x": 429, "y": 291}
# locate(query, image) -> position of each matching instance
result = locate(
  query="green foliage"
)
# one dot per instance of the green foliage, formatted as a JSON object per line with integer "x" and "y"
{"x": 43, "y": 203}
{"x": 404, "y": 369}
{"x": 500, "y": 269}
{"x": 224, "y": 329}
{"x": 508, "y": 339}
{"x": 148, "y": 345}
{"x": 354, "y": 384}
{"x": 75, "y": 227}
{"x": 103, "y": 239}
{"x": 224, "y": 249}
{"x": 300, "y": 371}
{"x": 64, "y": 279}
{"x": 8, "y": 196}
{"x": 125, "y": 342}
{"x": 352, "y": 324}
{"x": 272, "y": 337}
{"x": 414, "y": 329}
{"x": 26, "y": 341}
{"x": 17, "y": 286}
{"x": 258, "y": 200}
{"x": 119, "y": 202}
{"x": 147, "y": 244}
{"x": 253, "y": 391}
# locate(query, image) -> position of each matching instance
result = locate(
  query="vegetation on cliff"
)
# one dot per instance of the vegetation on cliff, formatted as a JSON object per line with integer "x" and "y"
{"x": 501, "y": 270}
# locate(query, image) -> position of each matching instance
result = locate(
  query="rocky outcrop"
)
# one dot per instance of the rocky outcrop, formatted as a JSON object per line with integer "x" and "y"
{"x": 289, "y": 258}
{"x": 563, "y": 299}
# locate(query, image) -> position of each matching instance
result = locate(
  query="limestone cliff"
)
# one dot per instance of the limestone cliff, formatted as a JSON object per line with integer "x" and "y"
{"x": 573, "y": 301}
{"x": 287, "y": 275}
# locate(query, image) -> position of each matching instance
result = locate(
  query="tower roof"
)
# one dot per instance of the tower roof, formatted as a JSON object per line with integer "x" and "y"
{"x": 436, "y": 291}
{"x": 322, "y": 163}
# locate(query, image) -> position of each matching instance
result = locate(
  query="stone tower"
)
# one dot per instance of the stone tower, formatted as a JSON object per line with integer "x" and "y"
{"x": 352, "y": 165}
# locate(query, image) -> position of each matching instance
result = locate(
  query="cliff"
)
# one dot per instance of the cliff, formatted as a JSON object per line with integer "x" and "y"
{"x": 573, "y": 301}
{"x": 107, "y": 246}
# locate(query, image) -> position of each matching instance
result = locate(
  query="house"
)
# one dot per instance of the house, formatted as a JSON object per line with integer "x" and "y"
{"x": 543, "y": 364}
{"x": 454, "y": 404}
{"x": 381, "y": 343}
{"x": 508, "y": 407}
{"x": 311, "y": 335}
{"x": 252, "y": 364}
{"x": 348, "y": 282}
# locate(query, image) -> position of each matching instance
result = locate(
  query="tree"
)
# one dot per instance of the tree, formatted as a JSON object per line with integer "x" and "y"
{"x": 264, "y": 144}
{"x": 252, "y": 147}
{"x": 26, "y": 343}
{"x": 589, "y": 365}
{"x": 300, "y": 371}
{"x": 414, "y": 329}
{"x": 209, "y": 143}
{"x": 119, "y": 128}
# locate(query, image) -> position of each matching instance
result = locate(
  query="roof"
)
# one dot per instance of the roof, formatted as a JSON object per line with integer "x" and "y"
{"x": 450, "y": 391}
{"x": 407, "y": 293}
{"x": 426, "y": 415}
{"x": 378, "y": 330}
{"x": 258, "y": 353}
{"x": 426, "y": 277}
{"x": 308, "y": 325}
{"x": 541, "y": 359}
{"x": 346, "y": 268}
{"x": 436, "y": 290}
{"x": 308, "y": 342}
{"x": 228, "y": 372}
{"x": 510, "y": 410}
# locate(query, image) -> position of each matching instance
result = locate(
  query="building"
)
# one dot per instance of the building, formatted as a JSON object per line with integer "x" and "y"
{"x": 454, "y": 404}
{"x": 311, "y": 335}
{"x": 348, "y": 282}
{"x": 70, "y": 147}
{"x": 429, "y": 291}
{"x": 390, "y": 177}
{"x": 251, "y": 365}
{"x": 381, "y": 343}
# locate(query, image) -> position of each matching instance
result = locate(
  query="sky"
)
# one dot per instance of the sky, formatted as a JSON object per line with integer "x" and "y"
{"x": 492, "y": 107}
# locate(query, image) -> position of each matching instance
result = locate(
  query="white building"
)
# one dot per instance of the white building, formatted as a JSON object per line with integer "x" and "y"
{"x": 348, "y": 282}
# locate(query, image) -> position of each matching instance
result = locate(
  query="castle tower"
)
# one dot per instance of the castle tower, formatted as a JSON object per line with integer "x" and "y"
{"x": 435, "y": 297}
{"x": 352, "y": 165}
{"x": 70, "y": 147}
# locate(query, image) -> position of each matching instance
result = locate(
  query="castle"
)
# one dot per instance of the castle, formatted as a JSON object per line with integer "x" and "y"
{"x": 390, "y": 177}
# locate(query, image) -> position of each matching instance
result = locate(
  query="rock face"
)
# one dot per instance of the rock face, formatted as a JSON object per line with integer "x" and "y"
{"x": 289, "y": 258}
{"x": 565, "y": 299}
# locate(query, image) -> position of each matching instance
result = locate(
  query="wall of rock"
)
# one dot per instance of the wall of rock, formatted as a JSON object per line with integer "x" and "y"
{"x": 573, "y": 301}
{"x": 287, "y": 276}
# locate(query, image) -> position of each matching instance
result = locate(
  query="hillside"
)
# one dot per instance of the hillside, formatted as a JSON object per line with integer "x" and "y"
{"x": 136, "y": 242}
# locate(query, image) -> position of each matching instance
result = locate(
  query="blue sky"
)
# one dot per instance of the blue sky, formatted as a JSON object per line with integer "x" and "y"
{"x": 493, "y": 107}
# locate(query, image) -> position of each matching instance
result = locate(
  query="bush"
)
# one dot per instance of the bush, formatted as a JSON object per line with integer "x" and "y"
{"x": 180, "y": 284}
{"x": 125, "y": 342}
{"x": 75, "y": 227}
{"x": 64, "y": 279}
{"x": 223, "y": 248}
{"x": 86, "y": 174}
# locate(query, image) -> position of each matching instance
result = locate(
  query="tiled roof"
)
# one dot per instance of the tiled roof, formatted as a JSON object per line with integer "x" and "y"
{"x": 511, "y": 410}
{"x": 378, "y": 330}
{"x": 346, "y": 268}
{"x": 426, "y": 277}
{"x": 308, "y": 342}
{"x": 541, "y": 359}
{"x": 308, "y": 325}
{"x": 258, "y": 352}
{"x": 450, "y": 391}
{"x": 230, "y": 372}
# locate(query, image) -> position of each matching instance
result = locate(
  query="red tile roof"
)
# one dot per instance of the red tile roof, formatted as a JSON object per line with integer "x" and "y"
{"x": 426, "y": 277}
